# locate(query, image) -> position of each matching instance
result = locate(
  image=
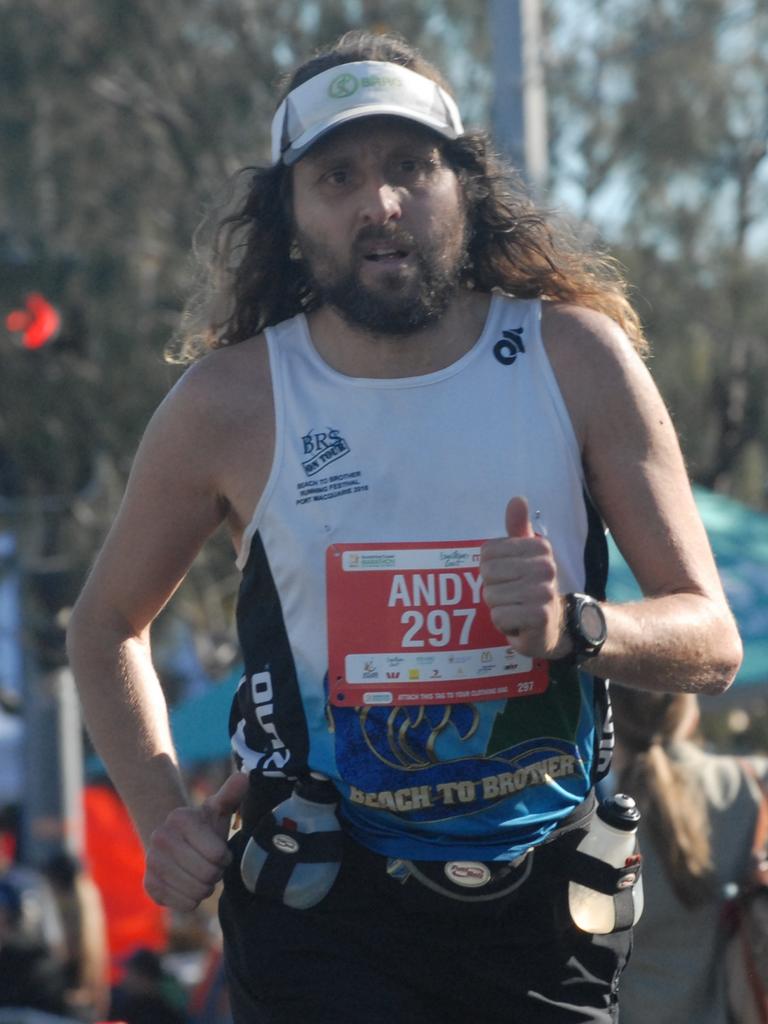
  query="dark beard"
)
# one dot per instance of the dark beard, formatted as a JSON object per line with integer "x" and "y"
{"x": 397, "y": 308}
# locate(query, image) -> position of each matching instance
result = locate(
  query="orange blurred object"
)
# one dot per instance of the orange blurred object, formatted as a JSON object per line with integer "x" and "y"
{"x": 115, "y": 858}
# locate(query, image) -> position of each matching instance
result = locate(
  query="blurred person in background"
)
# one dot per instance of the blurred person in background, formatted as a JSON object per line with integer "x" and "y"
{"x": 86, "y": 960}
{"x": 31, "y": 977}
{"x": 699, "y": 814}
{"x": 40, "y": 915}
{"x": 147, "y": 993}
{"x": 406, "y": 353}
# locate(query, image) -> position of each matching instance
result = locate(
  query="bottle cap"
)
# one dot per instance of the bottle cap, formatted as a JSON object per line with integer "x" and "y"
{"x": 317, "y": 788}
{"x": 620, "y": 811}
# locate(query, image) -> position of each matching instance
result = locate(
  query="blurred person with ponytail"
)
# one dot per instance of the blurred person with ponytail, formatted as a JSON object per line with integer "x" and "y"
{"x": 699, "y": 812}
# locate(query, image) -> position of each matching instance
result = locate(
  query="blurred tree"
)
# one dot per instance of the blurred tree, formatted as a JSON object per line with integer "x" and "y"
{"x": 661, "y": 118}
{"x": 119, "y": 124}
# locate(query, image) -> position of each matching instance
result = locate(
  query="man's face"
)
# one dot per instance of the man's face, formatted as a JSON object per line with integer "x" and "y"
{"x": 380, "y": 221}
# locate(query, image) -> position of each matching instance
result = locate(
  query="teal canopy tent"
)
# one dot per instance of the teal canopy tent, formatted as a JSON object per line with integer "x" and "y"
{"x": 739, "y": 539}
{"x": 199, "y": 725}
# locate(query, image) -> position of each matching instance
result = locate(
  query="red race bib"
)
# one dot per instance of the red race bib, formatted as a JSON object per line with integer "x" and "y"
{"x": 407, "y": 624}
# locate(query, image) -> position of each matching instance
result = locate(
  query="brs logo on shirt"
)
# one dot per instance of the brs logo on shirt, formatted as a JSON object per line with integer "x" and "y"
{"x": 322, "y": 447}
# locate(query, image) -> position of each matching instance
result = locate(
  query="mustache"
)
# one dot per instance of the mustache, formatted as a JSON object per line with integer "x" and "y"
{"x": 394, "y": 236}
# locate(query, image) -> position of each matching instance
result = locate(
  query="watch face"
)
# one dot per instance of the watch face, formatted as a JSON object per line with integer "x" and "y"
{"x": 592, "y": 623}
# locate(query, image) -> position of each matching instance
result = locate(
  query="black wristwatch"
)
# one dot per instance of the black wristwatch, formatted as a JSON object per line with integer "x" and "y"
{"x": 585, "y": 627}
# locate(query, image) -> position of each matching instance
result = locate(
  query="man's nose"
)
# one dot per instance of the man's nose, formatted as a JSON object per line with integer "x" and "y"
{"x": 380, "y": 202}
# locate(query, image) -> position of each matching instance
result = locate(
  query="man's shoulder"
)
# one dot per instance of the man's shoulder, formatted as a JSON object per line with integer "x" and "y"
{"x": 225, "y": 395}
{"x": 227, "y": 382}
{"x": 568, "y": 323}
{"x": 215, "y": 428}
{"x": 590, "y": 355}
{"x": 586, "y": 344}
{"x": 246, "y": 360}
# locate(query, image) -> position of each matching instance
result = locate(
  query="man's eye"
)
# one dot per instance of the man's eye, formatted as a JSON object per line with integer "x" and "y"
{"x": 337, "y": 177}
{"x": 414, "y": 167}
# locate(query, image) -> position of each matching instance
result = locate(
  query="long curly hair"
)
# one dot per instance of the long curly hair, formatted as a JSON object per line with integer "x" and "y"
{"x": 254, "y": 277}
{"x": 673, "y": 805}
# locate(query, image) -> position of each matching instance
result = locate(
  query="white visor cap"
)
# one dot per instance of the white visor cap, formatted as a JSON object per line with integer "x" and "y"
{"x": 360, "y": 89}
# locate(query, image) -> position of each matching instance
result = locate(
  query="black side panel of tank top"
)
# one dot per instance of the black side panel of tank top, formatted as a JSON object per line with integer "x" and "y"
{"x": 275, "y": 727}
{"x": 595, "y": 582}
{"x": 595, "y": 553}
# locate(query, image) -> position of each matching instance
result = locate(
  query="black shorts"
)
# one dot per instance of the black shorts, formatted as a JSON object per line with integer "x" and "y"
{"x": 377, "y": 951}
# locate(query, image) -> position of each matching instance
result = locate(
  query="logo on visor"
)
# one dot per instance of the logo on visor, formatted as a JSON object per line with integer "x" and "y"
{"x": 343, "y": 86}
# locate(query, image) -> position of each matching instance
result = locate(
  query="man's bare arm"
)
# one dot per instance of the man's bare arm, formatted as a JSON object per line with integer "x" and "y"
{"x": 172, "y": 504}
{"x": 681, "y": 636}
{"x": 168, "y": 511}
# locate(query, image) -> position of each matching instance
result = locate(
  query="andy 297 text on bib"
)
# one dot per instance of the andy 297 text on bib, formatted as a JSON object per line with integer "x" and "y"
{"x": 407, "y": 624}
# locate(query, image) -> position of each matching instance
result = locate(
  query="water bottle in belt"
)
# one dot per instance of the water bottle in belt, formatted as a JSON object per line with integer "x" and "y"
{"x": 609, "y": 892}
{"x": 294, "y": 853}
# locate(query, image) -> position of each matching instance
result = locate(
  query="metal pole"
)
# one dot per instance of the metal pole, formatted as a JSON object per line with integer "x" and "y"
{"x": 52, "y": 816}
{"x": 519, "y": 110}
{"x": 52, "y": 819}
{"x": 11, "y": 673}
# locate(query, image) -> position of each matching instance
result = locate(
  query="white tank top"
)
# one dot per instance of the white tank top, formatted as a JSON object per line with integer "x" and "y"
{"x": 363, "y": 548}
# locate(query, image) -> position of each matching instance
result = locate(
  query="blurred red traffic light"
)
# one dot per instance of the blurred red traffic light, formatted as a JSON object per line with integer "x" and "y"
{"x": 38, "y": 322}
